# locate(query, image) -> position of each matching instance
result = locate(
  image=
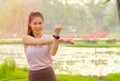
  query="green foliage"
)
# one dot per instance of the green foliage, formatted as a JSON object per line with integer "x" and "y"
{"x": 9, "y": 70}
{"x": 25, "y": 69}
{"x": 106, "y": 1}
{"x": 9, "y": 66}
{"x": 82, "y": 16}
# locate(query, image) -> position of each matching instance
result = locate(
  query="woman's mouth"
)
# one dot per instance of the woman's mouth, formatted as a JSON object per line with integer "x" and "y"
{"x": 37, "y": 30}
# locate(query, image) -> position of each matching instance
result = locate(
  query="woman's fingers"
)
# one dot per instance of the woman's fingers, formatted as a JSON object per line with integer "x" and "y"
{"x": 58, "y": 29}
{"x": 70, "y": 41}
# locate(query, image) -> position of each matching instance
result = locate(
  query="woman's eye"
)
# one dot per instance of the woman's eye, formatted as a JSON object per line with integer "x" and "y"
{"x": 35, "y": 23}
{"x": 40, "y": 23}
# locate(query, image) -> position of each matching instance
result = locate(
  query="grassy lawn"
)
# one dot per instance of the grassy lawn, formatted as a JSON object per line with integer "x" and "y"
{"x": 10, "y": 72}
{"x": 112, "y": 77}
{"x": 94, "y": 44}
{"x": 60, "y": 77}
{"x": 21, "y": 74}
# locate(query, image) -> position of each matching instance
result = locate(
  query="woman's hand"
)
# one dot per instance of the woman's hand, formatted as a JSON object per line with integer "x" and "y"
{"x": 69, "y": 41}
{"x": 58, "y": 29}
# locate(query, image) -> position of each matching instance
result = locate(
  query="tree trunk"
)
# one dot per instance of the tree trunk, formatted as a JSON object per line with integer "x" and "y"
{"x": 118, "y": 7}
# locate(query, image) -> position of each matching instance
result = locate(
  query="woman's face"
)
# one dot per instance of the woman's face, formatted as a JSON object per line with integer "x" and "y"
{"x": 36, "y": 25}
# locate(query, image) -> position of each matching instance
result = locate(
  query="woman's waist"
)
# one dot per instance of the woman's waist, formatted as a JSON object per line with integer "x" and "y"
{"x": 37, "y": 68}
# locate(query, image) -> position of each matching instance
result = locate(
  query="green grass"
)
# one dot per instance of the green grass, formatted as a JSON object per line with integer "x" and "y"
{"x": 94, "y": 44}
{"x": 23, "y": 76}
{"x": 112, "y": 77}
{"x": 10, "y": 72}
{"x": 18, "y": 74}
{"x": 87, "y": 43}
{"x": 75, "y": 78}
{"x": 60, "y": 77}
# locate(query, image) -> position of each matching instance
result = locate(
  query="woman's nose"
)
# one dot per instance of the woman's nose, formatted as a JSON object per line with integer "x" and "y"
{"x": 38, "y": 25}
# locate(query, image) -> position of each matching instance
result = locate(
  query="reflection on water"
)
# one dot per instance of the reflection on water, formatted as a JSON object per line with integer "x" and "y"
{"x": 13, "y": 51}
{"x": 71, "y": 60}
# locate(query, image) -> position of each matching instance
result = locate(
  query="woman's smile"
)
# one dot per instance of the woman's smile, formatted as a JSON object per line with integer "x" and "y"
{"x": 37, "y": 30}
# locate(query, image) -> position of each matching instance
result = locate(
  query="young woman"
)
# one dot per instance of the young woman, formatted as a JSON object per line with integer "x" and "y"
{"x": 39, "y": 48}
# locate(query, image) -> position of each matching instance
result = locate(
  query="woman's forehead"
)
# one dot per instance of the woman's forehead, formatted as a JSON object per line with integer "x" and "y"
{"x": 37, "y": 19}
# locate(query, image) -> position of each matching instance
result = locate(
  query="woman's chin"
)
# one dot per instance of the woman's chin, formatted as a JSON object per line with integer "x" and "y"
{"x": 38, "y": 33}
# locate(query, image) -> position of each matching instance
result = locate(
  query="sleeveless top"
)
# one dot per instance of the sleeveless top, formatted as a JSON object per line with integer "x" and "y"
{"x": 38, "y": 56}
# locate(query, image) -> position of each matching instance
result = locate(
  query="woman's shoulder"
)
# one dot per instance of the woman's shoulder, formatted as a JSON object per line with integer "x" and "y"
{"x": 26, "y": 36}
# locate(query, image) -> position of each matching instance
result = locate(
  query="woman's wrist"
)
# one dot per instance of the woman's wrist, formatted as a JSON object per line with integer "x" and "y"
{"x": 56, "y": 37}
{"x": 63, "y": 40}
{"x": 66, "y": 40}
{"x": 57, "y": 34}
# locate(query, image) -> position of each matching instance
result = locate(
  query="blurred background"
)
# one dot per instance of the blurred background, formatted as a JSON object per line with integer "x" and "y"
{"x": 78, "y": 17}
{"x": 93, "y": 25}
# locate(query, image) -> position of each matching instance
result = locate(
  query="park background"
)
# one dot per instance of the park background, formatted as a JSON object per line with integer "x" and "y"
{"x": 93, "y": 24}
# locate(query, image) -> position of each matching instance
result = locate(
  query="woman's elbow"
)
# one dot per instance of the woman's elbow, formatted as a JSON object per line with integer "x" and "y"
{"x": 53, "y": 54}
{"x": 24, "y": 40}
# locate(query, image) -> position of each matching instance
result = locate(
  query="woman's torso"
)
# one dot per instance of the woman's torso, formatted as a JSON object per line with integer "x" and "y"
{"x": 38, "y": 56}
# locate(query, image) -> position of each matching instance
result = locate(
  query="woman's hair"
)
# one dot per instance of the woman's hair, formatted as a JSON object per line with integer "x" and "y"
{"x": 31, "y": 16}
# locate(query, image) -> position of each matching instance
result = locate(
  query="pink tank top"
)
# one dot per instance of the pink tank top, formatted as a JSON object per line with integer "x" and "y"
{"x": 38, "y": 56}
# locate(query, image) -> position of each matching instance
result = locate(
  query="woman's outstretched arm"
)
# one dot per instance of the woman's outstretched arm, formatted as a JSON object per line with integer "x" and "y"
{"x": 29, "y": 40}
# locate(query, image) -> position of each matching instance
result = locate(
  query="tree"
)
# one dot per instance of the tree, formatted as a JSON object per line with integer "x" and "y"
{"x": 118, "y": 7}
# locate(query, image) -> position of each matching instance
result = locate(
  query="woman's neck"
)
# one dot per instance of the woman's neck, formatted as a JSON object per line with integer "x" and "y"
{"x": 37, "y": 35}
